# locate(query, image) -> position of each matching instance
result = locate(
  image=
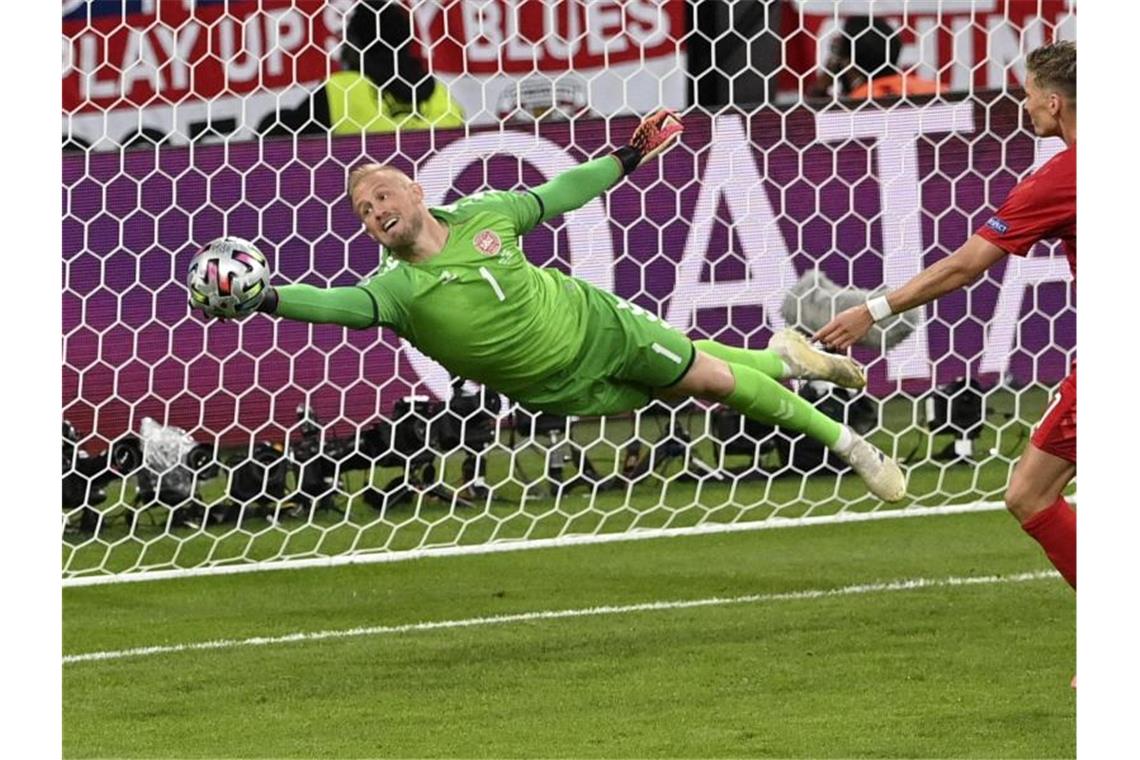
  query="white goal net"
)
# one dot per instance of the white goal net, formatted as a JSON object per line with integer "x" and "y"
{"x": 194, "y": 447}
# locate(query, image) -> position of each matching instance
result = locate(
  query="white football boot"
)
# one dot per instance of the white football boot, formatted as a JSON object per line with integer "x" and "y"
{"x": 883, "y": 476}
{"x": 810, "y": 363}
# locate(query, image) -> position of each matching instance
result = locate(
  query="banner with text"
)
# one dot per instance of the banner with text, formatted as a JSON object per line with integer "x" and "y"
{"x": 204, "y": 70}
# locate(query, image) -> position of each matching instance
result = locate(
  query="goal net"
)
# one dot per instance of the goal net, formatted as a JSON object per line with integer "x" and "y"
{"x": 193, "y": 447}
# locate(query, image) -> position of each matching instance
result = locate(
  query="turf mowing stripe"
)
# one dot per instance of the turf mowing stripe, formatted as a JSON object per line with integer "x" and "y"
{"x": 868, "y": 588}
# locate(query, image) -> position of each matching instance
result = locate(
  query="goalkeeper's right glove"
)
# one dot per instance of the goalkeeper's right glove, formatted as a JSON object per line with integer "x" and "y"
{"x": 656, "y": 133}
{"x": 266, "y": 303}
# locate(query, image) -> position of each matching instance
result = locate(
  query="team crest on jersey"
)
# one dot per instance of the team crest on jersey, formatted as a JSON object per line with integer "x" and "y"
{"x": 487, "y": 242}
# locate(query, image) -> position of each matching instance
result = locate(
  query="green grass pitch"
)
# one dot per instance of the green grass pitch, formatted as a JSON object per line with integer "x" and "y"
{"x": 977, "y": 670}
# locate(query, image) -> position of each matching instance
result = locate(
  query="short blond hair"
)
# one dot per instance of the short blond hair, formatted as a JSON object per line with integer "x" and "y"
{"x": 1054, "y": 67}
{"x": 357, "y": 175}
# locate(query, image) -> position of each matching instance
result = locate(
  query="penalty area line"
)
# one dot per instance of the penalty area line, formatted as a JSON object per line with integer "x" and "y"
{"x": 909, "y": 584}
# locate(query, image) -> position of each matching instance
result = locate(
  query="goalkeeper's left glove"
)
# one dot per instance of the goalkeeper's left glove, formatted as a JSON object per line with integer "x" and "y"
{"x": 655, "y": 134}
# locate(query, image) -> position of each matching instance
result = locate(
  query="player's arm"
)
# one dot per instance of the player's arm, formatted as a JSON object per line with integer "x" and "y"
{"x": 348, "y": 306}
{"x": 379, "y": 301}
{"x": 576, "y": 187}
{"x": 959, "y": 269}
{"x": 351, "y": 307}
{"x": 1029, "y": 213}
{"x": 955, "y": 271}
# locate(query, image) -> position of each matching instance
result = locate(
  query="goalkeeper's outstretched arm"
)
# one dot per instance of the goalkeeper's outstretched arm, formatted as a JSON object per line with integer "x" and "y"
{"x": 575, "y": 187}
{"x": 347, "y": 306}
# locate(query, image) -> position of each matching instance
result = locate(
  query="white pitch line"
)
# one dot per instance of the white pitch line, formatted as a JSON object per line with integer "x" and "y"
{"x": 523, "y": 617}
{"x": 530, "y": 544}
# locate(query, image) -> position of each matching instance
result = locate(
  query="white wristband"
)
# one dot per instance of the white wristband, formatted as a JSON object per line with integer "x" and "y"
{"x": 879, "y": 308}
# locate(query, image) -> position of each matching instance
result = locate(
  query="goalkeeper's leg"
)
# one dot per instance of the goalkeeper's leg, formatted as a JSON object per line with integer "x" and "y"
{"x": 765, "y": 360}
{"x": 642, "y": 352}
{"x": 789, "y": 354}
{"x": 759, "y": 396}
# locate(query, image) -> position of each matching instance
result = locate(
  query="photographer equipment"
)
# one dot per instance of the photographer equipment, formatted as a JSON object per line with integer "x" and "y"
{"x": 675, "y": 444}
{"x": 257, "y": 481}
{"x": 404, "y": 444}
{"x": 468, "y": 422}
{"x": 957, "y": 408}
{"x": 422, "y": 432}
{"x": 173, "y": 465}
{"x": 739, "y": 435}
{"x": 321, "y": 470}
{"x": 85, "y": 477}
{"x": 316, "y": 466}
{"x": 561, "y": 450}
{"x": 383, "y": 444}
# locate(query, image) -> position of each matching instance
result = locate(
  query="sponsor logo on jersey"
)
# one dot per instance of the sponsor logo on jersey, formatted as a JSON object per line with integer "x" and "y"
{"x": 487, "y": 242}
{"x": 997, "y": 225}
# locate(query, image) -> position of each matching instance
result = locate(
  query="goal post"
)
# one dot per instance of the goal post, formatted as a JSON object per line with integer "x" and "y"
{"x": 315, "y": 444}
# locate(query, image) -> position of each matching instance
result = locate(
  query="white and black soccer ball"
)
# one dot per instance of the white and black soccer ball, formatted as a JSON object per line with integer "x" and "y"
{"x": 228, "y": 278}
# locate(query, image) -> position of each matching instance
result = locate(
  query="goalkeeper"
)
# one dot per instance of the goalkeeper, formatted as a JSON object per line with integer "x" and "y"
{"x": 454, "y": 282}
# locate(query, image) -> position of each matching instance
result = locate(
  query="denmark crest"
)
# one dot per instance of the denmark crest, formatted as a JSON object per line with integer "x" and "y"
{"x": 487, "y": 242}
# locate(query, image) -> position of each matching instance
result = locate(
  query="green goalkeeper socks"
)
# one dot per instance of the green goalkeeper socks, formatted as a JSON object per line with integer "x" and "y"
{"x": 759, "y": 397}
{"x": 764, "y": 361}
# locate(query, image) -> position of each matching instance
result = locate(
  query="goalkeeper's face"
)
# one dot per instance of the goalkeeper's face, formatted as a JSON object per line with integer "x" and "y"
{"x": 391, "y": 207}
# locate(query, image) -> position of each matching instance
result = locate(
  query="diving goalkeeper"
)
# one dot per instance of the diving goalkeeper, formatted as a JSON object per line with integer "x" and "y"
{"x": 454, "y": 282}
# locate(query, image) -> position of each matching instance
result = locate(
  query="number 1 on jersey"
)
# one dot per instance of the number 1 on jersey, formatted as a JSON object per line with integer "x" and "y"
{"x": 494, "y": 283}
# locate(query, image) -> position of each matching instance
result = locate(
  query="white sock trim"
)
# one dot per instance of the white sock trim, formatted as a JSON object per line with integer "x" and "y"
{"x": 846, "y": 440}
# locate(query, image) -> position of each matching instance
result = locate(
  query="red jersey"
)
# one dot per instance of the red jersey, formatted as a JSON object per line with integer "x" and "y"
{"x": 1042, "y": 206}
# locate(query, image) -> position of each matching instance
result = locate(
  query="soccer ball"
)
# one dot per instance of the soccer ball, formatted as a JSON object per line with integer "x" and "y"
{"x": 228, "y": 278}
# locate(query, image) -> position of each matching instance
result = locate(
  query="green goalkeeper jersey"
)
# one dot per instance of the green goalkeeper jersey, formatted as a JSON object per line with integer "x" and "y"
{"x": 478, "y": 307}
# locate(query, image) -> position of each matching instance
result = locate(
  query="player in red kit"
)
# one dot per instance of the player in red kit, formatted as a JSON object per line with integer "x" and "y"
{"x": 1041, "y": 207}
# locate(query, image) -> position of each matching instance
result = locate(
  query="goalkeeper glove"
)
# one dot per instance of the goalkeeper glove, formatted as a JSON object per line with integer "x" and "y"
{"x": 655, "y": 134}
{"x": 265, "y": 302}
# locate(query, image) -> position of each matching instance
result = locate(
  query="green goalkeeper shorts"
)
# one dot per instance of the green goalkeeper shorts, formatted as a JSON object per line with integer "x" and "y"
{"x": 627, "y": 356}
